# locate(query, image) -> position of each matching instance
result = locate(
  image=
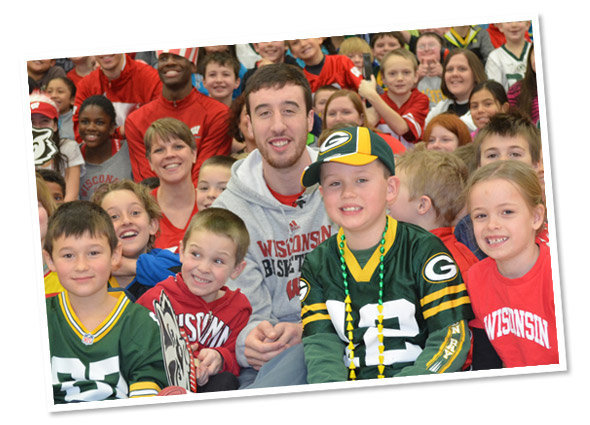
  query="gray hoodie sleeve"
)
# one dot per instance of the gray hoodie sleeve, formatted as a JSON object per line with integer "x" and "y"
{"x": 252, "y": 284}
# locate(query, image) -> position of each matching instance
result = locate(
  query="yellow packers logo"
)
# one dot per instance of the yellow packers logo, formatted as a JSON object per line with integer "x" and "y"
{"x": 440, "y": 268}
{"x": 303, "y": 289}
{"x": 336, "y": 139}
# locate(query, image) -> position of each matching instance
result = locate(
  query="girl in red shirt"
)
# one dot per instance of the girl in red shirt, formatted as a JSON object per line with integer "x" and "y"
{"x": 511, "y": 291}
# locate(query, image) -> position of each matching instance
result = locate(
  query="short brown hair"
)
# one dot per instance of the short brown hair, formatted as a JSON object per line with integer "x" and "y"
{"x": 394, "y": 34}
{"x": 76, "y": 218}
{"x": 223, "y": 59}
{"x": 278, "y": 75}
{"x": 439, "y": 175}
{"x": 221, "y": 222}
{"x": 511, "y": 124}
{"x": 165, "y": 129}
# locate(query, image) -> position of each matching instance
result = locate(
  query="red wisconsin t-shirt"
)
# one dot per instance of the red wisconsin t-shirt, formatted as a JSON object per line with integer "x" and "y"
{"x": 518, "y": 315}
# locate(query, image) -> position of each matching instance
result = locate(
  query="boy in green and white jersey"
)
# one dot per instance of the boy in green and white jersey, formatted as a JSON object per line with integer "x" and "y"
{"x": 381, "y": 298}
{"x": 102, "y": 346}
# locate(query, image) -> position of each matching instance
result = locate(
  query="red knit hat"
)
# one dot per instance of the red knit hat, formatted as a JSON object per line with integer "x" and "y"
{"x": 190, "y": 53}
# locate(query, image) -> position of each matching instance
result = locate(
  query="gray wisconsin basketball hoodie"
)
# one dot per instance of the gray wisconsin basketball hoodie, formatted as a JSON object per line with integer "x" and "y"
{"x": 280, "y": 236}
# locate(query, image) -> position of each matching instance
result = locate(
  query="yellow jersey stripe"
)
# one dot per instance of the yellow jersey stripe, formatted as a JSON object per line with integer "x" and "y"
{"x": 445, "y": 343}
{"x": 458, "y": 348}
{"x": 67, "y": 311}
{"x": 313, "y": 307}
{"x": 441, "y": 348}
{"x": 315, "y": 318}
{"x": 144, "y": 389}
{"x": 445, "y": 306}
{"x": 102, "y": 329}
{"x": 441, "y": 293}
{"x": 114, "y": 317}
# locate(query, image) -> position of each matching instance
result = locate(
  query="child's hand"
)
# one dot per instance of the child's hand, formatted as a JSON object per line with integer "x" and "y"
{"x": 208, "y": 362}
{"x": 368, "y": 89}
{"x": 433, "y": 68}
{"x": 126, "y": 267}
{"x": 422, "y": 70}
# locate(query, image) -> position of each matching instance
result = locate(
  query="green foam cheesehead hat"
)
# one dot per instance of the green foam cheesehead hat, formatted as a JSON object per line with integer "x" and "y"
{"x": 351, "y": 146}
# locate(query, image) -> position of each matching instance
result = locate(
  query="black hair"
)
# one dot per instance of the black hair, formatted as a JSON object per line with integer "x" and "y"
{"x": 67, "y": 82}
{"x": 52, "y": 176}
{"x": 235, "y": 110}
{"x": 495, "y": 88}
{"x": 102, "y": 102}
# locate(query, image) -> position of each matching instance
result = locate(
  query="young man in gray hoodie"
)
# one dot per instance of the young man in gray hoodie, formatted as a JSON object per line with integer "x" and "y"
{"x": 285, "y": 222}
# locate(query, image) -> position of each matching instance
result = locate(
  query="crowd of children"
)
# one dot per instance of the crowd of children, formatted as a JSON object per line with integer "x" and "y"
{"x": 427, "y": 153}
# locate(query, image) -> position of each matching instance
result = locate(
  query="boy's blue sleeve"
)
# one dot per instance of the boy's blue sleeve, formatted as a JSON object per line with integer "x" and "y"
{"x": 156, "y": 265}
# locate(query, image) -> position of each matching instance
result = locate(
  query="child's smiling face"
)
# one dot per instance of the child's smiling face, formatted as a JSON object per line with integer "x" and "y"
{"x": 356, "y": 198}
{"x": 61, "y": 94}
{"x": 132, "y": 223}
{"x": 309, "y": 50}
{"x": 95, "y": 126}
{"x": 384, "y": 45}
{"x": 83, "y": 263}
{"x": 220, "y": 80}
{"x": 399, "y": 75}
{"x": 514, "y": 31}
{"x": 503, "y": 223}
{"x": 212, "y": 181}
{"x": 208, "y": 261}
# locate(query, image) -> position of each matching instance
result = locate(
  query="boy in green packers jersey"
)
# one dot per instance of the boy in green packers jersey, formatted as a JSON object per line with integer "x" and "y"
{"x": 102, "y": 346}
{"x": 381, "y": 298}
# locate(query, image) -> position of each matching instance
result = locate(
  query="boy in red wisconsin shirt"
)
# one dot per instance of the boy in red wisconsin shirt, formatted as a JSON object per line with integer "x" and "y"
{"x": 211, "y": 315}
{"x": 400, "y": 111}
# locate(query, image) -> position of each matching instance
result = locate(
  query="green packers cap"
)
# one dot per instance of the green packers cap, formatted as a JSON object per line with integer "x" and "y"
{"x": 351, "y": 146}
